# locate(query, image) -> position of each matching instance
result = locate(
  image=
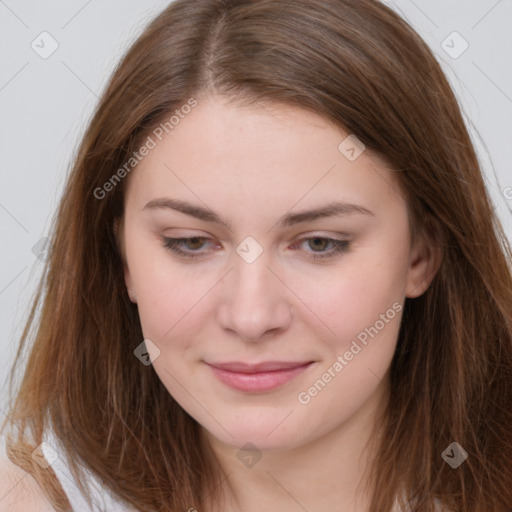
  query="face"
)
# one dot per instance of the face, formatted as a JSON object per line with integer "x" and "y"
{"x": 269, "y": 268}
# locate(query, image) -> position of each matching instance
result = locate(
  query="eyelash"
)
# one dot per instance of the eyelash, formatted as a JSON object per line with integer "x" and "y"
{"x": 339, "y": 246}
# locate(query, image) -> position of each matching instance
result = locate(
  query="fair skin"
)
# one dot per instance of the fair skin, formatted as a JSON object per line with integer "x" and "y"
{"x": 19, "y": 491}
{"x": 251, "y": 166}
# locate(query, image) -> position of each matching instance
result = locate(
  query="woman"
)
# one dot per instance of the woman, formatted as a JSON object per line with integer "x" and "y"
{"x": 276, "y": 279}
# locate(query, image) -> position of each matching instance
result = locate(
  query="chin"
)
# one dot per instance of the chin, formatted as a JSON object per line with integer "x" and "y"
{"x": 265, "y": 434}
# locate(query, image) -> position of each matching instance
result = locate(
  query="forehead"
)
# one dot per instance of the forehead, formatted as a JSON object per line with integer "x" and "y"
{"x": 238, "y": 155}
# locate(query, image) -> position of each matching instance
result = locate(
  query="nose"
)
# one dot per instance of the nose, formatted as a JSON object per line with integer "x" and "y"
{"x": 255, "y": 303}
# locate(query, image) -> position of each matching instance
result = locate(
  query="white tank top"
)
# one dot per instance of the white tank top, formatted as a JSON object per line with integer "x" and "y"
{"x": 102, "y": 499}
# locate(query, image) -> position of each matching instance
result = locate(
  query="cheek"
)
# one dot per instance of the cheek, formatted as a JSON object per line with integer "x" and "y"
{"x": 362, "y": 292}
{"x": 168, "y": 307}
{"x": 363, "y": 311}
{"x": 166, "y": 291}
{"x": 362, "y": 335}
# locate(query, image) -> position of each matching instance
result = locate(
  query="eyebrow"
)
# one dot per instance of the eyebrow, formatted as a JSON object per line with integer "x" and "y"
{"x": 332, "y": 209}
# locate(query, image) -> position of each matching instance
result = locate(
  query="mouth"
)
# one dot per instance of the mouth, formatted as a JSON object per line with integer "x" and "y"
{"x": 260, "y": 377}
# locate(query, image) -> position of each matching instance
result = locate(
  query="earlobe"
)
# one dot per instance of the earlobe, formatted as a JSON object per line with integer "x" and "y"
{"x": 425, "y": 261}
{"x": 128, "y": 281}
{"x": 132, "y": 295}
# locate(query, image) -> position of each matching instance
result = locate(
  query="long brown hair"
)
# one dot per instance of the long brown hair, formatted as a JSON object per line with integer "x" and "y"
{"x": 358, "y": 64}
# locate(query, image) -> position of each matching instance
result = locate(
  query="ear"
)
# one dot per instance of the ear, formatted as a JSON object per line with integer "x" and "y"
{"x": 426, "y": 258}
{"x": 118, "y": 234}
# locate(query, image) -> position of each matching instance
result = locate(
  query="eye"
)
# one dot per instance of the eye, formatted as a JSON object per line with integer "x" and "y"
{"x": 191, "y": 244}
{"x": 322, "y": 247}
{"x": 319, "y": 244}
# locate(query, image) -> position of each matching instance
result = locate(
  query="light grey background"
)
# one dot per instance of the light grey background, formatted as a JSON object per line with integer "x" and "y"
{"x": 45, "y": 105}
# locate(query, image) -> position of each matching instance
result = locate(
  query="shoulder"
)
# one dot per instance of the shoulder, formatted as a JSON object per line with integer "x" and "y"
{"x": 19, "y": 491}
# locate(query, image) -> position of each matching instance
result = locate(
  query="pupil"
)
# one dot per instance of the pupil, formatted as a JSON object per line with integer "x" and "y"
{"x": 195, "y": 242}
{"x": 323, "y": 241}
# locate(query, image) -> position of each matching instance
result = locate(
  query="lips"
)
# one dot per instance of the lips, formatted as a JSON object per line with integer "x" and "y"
{"x": 258, "y": 377}
{"x": 269, "y": 366}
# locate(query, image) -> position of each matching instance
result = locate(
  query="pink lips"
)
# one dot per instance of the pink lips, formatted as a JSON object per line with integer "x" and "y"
{"x": 257, "y": 377}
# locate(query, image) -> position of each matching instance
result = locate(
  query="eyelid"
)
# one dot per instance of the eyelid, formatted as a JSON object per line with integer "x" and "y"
{"x": 339, "y": 246}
